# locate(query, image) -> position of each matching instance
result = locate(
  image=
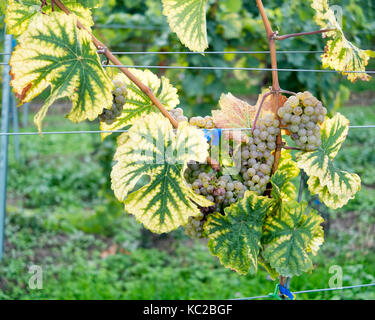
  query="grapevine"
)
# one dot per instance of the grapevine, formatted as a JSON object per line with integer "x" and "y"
{"x": 228, "y": 176}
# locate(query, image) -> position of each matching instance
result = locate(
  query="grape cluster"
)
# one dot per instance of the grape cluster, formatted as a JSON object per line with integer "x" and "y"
{"x": 119, "y": 97}
{"x": 222, "y": 191}
{"x": 256, "y": 155}
{"x": 255, "y": 162}
{"x": 302, "y": 115}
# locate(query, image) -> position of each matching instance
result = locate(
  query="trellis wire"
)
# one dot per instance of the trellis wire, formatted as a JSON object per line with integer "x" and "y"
{"x": 121, "y": 26}
{"x": 313, "y": 290}
{"x": 121, "y": 131}
{"x": 236, "y": 68}
{"x": 205, "y": 52}
{"x": 231, "y": 68}
{"x": 213, "y": 52}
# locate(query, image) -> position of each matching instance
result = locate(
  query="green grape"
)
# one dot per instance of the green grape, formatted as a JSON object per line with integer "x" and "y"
{"x": 307, "y": 113}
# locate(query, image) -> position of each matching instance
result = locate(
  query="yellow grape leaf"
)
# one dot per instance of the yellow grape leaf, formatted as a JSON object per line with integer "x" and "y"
{"x": 283, "y": 189}
{"x": 19, "y": 14}
{"x": 54, "y": 53}
{"x": 152, "y": 148}
{"x": 335, "y": 187}
{"x": 340, "y": 54}
{"x": 3, "y": 6}
{"x": 290, "y": 237}
{"x": 235, "y": 237}
{"x": 187, "y": 18}
{"x": 138, "y": 104}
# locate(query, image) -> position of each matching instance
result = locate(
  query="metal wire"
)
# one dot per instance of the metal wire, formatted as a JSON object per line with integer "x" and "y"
{"x": 121, "y": 26}
{"x": 232, "y": 68}
{"x": 120, "y": 131}
{"x": 203, "y": 52}
{"x": 313, "y": 290}
{"x": 212, "y": 52}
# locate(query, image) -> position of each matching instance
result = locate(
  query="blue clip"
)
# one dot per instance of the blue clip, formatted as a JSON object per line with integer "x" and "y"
{"x": 317, "y": 202}
{"x": 213, "y": 134}
{"x": 284, "y": 291}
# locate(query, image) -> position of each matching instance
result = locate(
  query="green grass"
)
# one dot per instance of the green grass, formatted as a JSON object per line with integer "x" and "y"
{"x": 62, "y": 216}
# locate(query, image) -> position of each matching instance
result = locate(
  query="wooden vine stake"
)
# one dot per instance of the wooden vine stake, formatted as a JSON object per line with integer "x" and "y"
{"x": 145, "y": 89}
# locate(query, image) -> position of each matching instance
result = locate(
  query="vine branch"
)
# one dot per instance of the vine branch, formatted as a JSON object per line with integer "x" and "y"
{"x": 275, "y": 77}
{"x": 275, "y": 36}
{"x": 275, "y": 87}
{"x": 260, "y": 108}
{"x": 145, "y": 89}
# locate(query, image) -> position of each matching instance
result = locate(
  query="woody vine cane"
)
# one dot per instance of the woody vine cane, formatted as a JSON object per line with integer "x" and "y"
{"x": 272, "y": 37}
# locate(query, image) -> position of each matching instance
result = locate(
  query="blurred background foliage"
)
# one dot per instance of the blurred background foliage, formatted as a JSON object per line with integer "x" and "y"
{"x": 235, "y": 25}
{"x": 61, "y": 212}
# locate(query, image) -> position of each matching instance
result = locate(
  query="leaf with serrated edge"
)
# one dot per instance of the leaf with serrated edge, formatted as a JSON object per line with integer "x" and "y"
{"x": 331, "y": 200}
{"x": 138, "y": 104}
{"x": 54, "y": 52}
{"x": 341, "y": 186}
{"x": 19, "y": 14}
{"x": 235, "y": 237}
{"x": 187, "y": 18}
{"x": 282, "y": 187}
{"x": 289, "y": 238}
{"x": 153, "y": 148}
{"x": 340, "y": 54}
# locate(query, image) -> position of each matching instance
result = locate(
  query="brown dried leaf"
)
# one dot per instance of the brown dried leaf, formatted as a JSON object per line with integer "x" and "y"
{"x": 270, "y": 104}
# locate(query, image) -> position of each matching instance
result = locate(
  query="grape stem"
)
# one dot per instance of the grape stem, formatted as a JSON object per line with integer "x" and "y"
{"x": 276, "y": 36}
{"x": 260, "y": 108}
{"x": 287, "y": 92}
{"x": 264, "y": 99}
{"x": 145, "y": 89}
{"x": 291, "y": 148}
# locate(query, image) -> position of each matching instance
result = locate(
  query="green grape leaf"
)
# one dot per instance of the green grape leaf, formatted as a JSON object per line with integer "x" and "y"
{"x": 290, "y": 238}
{"x": 340, "y": 54}
{"x": 154, "y": 149}
{"x": 335, "y": 187}
{"x": 187, "y": 18}
{"x": 3, "y": 6}
{"x": 20, "y": 14}
{"x": 271, "y": 271}
{"x": 54, "y": 52}
{"x": 235, "y": 237}
{"x": 138, "y": 104}
{"x": 282, "y": 187}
